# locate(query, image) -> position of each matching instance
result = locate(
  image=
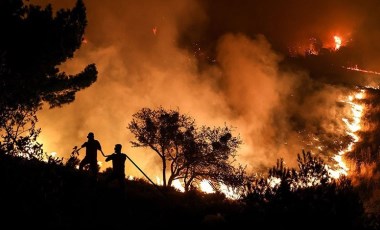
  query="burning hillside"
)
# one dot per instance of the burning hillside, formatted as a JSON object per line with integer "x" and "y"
{"x": 289, "y": 76}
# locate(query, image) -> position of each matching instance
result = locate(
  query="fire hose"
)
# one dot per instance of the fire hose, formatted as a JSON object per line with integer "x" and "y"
{"x": 76, "y": 151}
{"x": 144, "y": 173}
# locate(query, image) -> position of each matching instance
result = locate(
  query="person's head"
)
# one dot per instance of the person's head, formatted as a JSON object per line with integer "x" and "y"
{"x": 118, "y": 148}
{"x": 90, "y": 135}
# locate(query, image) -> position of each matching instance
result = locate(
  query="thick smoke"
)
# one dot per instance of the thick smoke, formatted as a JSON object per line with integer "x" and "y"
{"x": 278, "y": 112}
{"x": 144, "y": 51}
{"x": 137, "y": 68}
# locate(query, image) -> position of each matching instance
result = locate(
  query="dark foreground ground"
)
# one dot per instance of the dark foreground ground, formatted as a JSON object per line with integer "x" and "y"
{"x": 40, "y": 195}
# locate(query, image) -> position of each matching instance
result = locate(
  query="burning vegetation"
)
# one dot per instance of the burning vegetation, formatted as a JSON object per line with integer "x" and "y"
{"x": 319, "y": 98}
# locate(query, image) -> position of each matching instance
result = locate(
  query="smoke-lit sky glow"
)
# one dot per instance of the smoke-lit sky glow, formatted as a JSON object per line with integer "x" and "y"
{"x": 217, "y": 61}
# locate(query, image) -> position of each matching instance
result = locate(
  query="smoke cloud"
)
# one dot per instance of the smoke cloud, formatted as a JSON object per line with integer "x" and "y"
{"x": 146, "y": 57}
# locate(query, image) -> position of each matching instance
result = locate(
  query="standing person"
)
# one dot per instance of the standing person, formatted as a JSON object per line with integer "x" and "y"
{"x": 118, "y": 166}
{"x": 92, "y": 146}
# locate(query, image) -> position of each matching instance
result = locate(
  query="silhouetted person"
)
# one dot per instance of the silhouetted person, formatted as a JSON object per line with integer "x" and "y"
{"x": 118, "y": 166}
{"x": 92, "y": 146}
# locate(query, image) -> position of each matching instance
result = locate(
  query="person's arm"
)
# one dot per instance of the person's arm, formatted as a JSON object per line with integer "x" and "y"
{"x": 100, "y": 149}
{"x": 108, "y": 157}
{"x": 82, "y": 146}
{"x": 103, "y": 153}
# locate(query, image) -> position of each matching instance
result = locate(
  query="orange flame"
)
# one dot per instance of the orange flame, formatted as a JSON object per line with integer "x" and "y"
{"x": 177, "y": 185}
{"x": 338, "y": 42}
{"x": 356, "y": 68}
{"x": 353, "y": 125}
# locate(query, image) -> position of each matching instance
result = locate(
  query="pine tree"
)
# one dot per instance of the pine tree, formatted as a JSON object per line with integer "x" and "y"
{"x": 34, "y": 41}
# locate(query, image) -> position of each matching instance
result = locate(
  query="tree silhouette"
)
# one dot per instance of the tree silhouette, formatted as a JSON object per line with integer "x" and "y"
{"x": 19, "y": 133}
{"x": 73, "y": 161}
{"x": 311, "y": 172}
{"x": 211, "y": 156}
{"x": 303, "y": 196}
{"x": 192, "y": 153}
{"x": 33, "y": 44}
{"x": 164, "y": 132}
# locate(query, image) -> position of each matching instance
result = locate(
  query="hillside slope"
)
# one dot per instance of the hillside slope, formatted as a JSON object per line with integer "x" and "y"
{"x": 54, "y": 196}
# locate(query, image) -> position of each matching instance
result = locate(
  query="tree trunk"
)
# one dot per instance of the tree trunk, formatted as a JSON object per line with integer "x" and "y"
{"x": 164, "y": 171}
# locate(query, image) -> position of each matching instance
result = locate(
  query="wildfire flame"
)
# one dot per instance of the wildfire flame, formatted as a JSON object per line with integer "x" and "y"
{"x": 177, "y": 184}
{"x": 158, "y": 180}
{"x": 353, "y": 126}
{"x": 338, "y": 42}
{"x": 356, "y": 68}
{"x": 206, "y": 186}
{"x": 52, "y": 155}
